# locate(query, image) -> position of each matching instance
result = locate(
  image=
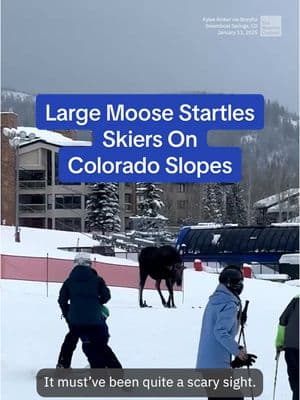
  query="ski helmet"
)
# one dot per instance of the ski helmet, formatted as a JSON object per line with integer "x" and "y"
{"x": 82, "y": 259}
{"x": 232, "y": 277}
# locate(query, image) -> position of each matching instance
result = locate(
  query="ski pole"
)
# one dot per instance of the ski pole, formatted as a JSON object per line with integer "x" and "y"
{"x": 248, "y": 368}
{"x": 242, "y": 335}
{"x": 243, "y": 319}
{"x": 276, "y": 370}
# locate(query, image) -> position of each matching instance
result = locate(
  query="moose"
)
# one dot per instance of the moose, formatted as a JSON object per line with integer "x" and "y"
{"x": 160, "y": 263}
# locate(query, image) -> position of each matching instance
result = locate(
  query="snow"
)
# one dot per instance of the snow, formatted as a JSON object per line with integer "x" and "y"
{"x": 48, "y": 241}
{"x": 274, "y": 199}
{"x": 295, "y": 219}
{"x": 285, "y": 224}
{"x": 204, "y": 225}
{"x": 284, "y": 206}
{"x": 134, "y": 331}
{"x": 273, "y": 277}
{"x": 294, "y": 282}
{"x": 158, "y": 216}
{"x": 294, "y": 123}
{"x": 249, "y": 139}
{"x": 50, "y": 137}
{"x": 290, "y": 259}
{"x": 142, "y": 338}
{"x": 17, "y": 95}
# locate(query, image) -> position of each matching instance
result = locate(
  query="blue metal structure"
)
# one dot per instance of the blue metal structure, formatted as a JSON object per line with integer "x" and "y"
{"x": 238, "y": 244}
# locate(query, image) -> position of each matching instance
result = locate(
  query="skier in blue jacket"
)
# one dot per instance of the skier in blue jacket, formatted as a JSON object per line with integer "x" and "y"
{"x": 220, "y": 325}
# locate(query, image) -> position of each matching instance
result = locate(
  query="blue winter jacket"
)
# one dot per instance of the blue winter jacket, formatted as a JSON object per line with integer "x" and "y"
{"x": 219, "y": 328}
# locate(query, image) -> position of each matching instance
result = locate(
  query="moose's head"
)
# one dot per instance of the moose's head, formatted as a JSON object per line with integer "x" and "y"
{"x": 177, "y": 273}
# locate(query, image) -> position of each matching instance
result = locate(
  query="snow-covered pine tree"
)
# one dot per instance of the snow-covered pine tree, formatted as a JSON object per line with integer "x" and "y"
{"x": 236, "y": 211}
{"x": 213, "y": 204}
{"x": 103, "y": 209}
{"x": 150, "y": 204}
{"x": 149, "y": 207}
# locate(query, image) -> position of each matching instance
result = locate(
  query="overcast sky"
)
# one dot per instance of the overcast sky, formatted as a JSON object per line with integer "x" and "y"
{"x": 98, "y": 46}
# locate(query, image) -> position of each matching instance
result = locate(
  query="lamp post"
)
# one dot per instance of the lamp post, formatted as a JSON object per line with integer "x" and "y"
{"x": 15, "y": 138}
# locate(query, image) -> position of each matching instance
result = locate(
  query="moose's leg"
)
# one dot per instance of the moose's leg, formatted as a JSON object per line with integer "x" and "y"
{"x": 157, "y": 286}
{"x": 169, "y": 283}
{"x": 143, "y": 277}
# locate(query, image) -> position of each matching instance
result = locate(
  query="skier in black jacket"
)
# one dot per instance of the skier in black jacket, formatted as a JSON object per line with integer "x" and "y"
{"x": 71, "y": 340}
{"x": 80, "y": 298}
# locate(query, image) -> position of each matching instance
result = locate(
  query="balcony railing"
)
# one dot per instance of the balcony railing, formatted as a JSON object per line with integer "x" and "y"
{"x": 32, "y": 185}
{"x": 32, "y": 208}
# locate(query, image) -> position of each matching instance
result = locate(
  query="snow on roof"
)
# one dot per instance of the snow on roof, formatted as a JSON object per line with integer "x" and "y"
{"x": 284, "y": 206}
{"x": 274, "y": 199}
{"x": 290, "y": 259}
{"x": 203, "y": 225}
{"x": 158, "y": 216}
{"x": 40, "y": 242}
{"x": 50, "y": 137}
{"x": 294, "y": 220}
{"x": 285, "y": 224}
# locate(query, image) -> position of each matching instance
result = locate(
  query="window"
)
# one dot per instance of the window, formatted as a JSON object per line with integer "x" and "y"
{"x": 181, "y": 204}
{"x": 181, "y": 188}
{"x": 32, "y": 199}
{"x": 128, "y": 198}
{"x": 31, "y": 179}
{"x": 57, "y": 181}
{"x": 31, "y": 203}
{"x": 33, "y": 222}
{"x": 31, "y": 175}
{"x": 68, "y": 224}
{"x": 49, "y": 167}
{"x": 49, "y": 202}
{"x": 67, "y": 201}
{"x": 128, "y": 201}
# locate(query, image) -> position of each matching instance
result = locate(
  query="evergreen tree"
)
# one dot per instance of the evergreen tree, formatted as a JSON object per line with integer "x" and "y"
{"x": 151, "y": 203}
{"x": 236, "y": 212}
{"x": 213, "y": 204}
{"x": 149, "y": 207}
{"x": 103, "y": 210}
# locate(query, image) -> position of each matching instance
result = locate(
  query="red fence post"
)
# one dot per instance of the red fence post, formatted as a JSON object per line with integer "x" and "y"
{"x": 247, "y": 270}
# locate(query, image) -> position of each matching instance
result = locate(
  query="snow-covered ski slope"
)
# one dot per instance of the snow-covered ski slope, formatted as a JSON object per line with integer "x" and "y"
{"x": 40, "y": 242}
{"x": 32, "y": 330}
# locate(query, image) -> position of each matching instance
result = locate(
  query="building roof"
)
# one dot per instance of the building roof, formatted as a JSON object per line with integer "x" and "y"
{"x": 276, "y": 198}
{"x": 285, "y": 206}
{"x": 50, "y": 137}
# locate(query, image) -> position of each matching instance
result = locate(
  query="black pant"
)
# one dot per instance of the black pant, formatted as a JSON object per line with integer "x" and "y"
{"x": 292, "y": 361}
{"x": 88, "y": 346}
{"x": 67, "y": 349}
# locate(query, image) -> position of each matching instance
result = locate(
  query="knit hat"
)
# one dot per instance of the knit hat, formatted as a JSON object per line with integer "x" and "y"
{"x": 82, "y": 259}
